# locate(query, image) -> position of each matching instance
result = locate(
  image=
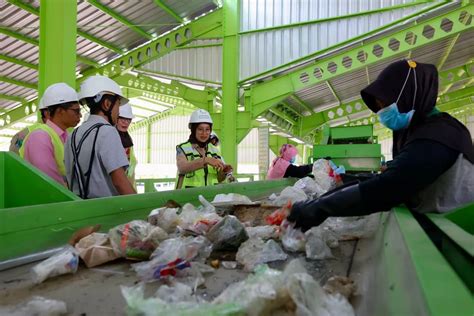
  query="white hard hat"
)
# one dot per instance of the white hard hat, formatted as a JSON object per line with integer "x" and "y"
{"x": 57, "y": 93}
{"x": 200, "y": 116}
{"x": 125, "y": 111}
{"x": 96, "y": 85}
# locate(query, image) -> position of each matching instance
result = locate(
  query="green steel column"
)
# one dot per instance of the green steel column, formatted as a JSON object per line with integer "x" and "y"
{"x": 57, "y": 60}
{"x": 230, "y": 76}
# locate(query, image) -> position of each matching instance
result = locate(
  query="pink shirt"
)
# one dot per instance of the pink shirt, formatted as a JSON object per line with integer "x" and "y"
{"x": 39, "y": 151}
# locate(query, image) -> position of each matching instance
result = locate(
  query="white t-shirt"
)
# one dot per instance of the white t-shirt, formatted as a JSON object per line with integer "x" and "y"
{"x": 108, "y": 156}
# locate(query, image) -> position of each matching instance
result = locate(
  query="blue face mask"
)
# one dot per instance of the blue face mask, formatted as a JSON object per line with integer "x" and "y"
{"x": 391, "y": 118}
{"x": 293, "y": 160}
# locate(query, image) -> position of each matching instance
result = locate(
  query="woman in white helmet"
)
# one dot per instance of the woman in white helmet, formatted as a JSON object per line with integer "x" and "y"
{"x": 123, "y": 123}
{"x": 199, "y": 162}
{"x": 95, "y": 161}
{"x": 44, "y": 146}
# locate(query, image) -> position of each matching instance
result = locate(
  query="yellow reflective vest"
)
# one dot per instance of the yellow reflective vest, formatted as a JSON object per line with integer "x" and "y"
{"x": 58, "y": 146}
{"x": 200, "y": 177}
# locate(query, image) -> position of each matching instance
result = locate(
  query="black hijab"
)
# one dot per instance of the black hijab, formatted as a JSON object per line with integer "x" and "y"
{"x": 425, "y": 124}
{"x": 192, "y": 138}
{"x": 126, "y": 139}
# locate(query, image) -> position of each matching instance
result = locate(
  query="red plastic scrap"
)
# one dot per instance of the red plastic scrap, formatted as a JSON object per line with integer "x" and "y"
{"x": 277, "y": 217}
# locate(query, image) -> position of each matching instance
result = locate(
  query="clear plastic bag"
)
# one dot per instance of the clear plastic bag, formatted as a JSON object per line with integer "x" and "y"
{"x": 228, "y": 234}
{"x": 322, "y": 172}
{"x": 64, "y": 262}
{"x": 310, "y": 187}
{"x": 231, "y": 199}
{"x": 290, "y": 194}
{"x": 197, "y": 221}
{"x": 293, "y": 239}
{"x": 173, "y": 255}
{"x": 348, "y": 228}
{"x": 137, "y": 304}
{"x": 164, "y": 217}
{"x": 264, "y": 232}
{"x": 136, "y": 239}
{"x": 255, "y": 251}
{"x": 38, "y": 306}
{"x": 318, "y": 240}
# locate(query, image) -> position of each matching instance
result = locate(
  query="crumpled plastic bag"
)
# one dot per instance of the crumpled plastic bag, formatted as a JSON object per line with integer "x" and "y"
{"x": 290, "y": 194}
{"x": 348, "y": 228}
{"x": 322, "y": 172}
{"x": 228, "y": 234}
{"x": 137, "y": 304}
{"x": 293, "y": 239}
{"x": 255, "y": 251}
{"x": 175, "y": 293}
{"x": 95, "y": 249}
{"x": 38, "y": 306}
{"x": 318, "y": 241}
{"x": 340, "y": 284}
{"x": 173, "y": 255}
{"x": 231, "y": 199}
{"x": 197, "y": 221}
{"x": 164, "y": 217}
{"x": 136, "y": 239}
{"x": 64, "y": 262}
{"x": 310, "y": 187}
{"x": 264, "y": 232}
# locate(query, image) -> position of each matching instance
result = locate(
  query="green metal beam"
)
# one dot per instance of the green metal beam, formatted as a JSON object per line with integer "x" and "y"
{"x": 120, "y": 18}
{"x": 92, "y": 38}
{"x": 11, "y": 97}
{"x": 171, "y": 75}
{"x": 19, "y": 82}
{"x": 344, "y": 43}
{"x": 283, "y": 115}
{"x": 266, "y": 94}
{"x": 448, "y": 51}
{"x": 200, "y": 46}
{"x": 288, "y": 108}
{"x": 230, "y": 78}
{"x": 336, "y": 18}
{"x": 158, "y": 47}
{"x": 18, "y": 62}
{"x": 57, "y": 49}
{"x": 168, "y": 10}
{"x": 333, "y": 92}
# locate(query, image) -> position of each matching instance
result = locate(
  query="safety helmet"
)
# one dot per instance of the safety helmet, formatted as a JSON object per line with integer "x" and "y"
{"x": 57, "y": 93}
{"x": 125, "y": 111}
{"x": 97, "y": 86}
{"x": 200, "y": 116}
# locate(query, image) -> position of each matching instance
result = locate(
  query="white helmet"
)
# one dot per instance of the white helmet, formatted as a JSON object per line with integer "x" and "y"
{"x": 200, "y": 116}
{"x": 125, "y": 111}
{"x": 99, "y": 85}
{"x": 57, "y": 93}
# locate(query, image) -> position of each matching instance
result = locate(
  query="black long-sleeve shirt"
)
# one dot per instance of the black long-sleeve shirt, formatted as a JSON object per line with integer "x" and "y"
{"x": 417, "y": 166}
{"x": 298, "y": 171}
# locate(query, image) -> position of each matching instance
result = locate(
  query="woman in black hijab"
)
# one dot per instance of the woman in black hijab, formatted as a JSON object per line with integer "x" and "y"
{"x": 432, "y": 169}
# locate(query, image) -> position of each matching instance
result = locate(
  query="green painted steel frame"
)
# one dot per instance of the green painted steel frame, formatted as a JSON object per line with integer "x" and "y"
{"x": 18, "y": 62}
{"x": 168, "y": 10}
{"x": 29, "y": 8}
{"x": 40, "y": 227}
{"x": 19, "y": 82}
{"x": 159, "y": 46}
{"x": 266, "y": 94}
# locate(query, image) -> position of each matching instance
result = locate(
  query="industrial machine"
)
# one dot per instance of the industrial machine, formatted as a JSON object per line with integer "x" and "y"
{"x": 353, "y": 147}
{"x": 412, "y": 265}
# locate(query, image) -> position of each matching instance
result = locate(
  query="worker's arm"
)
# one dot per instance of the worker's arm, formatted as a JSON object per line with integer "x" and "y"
{"x": 121, "y": 182}
{"x": 298, "y": 171}
{"x": 417, "y": 166}
{"x": 185, "y": 166}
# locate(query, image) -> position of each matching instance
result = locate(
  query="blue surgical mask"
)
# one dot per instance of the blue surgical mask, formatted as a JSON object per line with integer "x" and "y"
{"x": 293, "y": 160}
{"x": 391, "y": 118}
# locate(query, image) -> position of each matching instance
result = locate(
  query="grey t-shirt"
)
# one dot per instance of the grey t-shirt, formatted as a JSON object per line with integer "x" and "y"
{"x": 109, "y": 156}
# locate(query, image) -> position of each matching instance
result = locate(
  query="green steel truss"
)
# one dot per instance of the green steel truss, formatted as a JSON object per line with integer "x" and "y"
{"x": 160, "y": 46}
{"x": 263, "y": 96}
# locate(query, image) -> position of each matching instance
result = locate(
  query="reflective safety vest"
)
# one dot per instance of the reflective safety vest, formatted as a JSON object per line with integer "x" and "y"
{"x": 58, "y": 146}
{"x": 200, "y": 177}
{"x": 132, "y": 164}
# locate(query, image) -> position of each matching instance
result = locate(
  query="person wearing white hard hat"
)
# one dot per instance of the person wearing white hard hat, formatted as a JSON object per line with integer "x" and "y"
{"x": 123, "y": 123}
{"x": 44, "y": 146}
{"x": 95, "y": 161}
{"x": 199, "y": 162}
{"x": 19, "y": 138}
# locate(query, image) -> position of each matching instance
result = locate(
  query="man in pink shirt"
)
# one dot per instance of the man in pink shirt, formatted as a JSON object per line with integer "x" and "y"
{"x": 44, "y": 146}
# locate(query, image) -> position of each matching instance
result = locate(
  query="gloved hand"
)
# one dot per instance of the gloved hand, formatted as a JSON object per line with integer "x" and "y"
{"x": 343, "y": 202}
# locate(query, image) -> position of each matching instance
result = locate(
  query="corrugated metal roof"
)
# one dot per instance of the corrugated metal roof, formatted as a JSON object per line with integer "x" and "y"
{"x": 462, "y": 52}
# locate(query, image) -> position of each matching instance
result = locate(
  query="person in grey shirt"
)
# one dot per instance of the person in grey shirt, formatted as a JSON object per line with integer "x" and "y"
{"x": 94, "y": 157}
